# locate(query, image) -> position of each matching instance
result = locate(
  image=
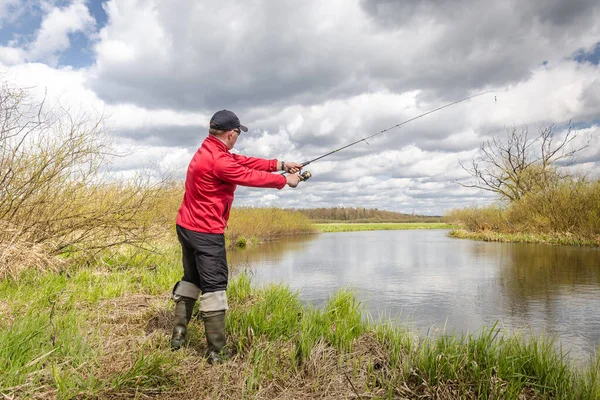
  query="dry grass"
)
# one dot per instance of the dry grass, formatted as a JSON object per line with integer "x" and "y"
{"x": 6, "y": 317}
{"x": 326, "y": 374}
{"x": 17, "y": 255}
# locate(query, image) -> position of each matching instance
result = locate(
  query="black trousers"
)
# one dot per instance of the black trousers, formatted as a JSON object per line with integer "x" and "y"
{"x": 204, "y": 259}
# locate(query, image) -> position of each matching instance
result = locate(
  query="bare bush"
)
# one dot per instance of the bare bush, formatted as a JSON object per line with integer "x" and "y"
{"x": 52, "y": 192}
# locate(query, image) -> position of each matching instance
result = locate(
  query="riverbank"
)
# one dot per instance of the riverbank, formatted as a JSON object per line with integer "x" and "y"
{"x": 491, "y": 236}
{"x": 103, "y": 332}
{"x": 351, "y": 227}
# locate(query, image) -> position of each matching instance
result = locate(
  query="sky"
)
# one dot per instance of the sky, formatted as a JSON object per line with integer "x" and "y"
{"x": 309, "y": 76}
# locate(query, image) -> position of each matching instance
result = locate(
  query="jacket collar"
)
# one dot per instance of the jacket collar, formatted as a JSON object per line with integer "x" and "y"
{"x": 216, "y": 142}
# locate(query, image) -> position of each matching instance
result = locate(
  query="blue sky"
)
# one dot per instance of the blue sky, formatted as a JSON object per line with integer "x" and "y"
{"x": 80, "y": 53}
{"x": 592, "y": 56}
{"x": 22, "y": 30}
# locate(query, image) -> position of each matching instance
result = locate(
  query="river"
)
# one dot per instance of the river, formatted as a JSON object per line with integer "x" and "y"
{"x": 434, "y": 283}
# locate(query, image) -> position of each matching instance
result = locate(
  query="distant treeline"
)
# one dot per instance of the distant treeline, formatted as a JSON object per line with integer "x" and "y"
{"x": 351, "y": 214}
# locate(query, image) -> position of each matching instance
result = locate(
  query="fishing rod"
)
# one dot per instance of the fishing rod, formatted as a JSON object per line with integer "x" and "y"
{"x": 305, "y": 175}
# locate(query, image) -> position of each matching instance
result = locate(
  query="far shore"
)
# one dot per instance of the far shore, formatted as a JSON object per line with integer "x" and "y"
{"x": 456, "y": 232}
{"x": 379, "y": 226}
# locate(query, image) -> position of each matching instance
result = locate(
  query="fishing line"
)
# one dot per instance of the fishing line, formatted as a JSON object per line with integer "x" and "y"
{"x": 395, "y": 126}
{"x": 306, "y": 174}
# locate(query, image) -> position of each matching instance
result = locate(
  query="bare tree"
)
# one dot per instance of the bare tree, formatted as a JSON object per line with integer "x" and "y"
{"x": 520, "y": 164}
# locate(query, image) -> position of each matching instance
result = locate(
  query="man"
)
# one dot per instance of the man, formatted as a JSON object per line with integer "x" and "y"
{"x": 211, "y": 180}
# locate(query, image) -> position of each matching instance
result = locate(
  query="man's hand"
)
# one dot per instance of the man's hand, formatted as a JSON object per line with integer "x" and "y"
{"x": 292, "y": 180}
{"x": 292, "y": 167}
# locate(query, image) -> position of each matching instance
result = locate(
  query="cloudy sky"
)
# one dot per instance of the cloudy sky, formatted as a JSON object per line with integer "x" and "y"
{"x": 308, "y": 76}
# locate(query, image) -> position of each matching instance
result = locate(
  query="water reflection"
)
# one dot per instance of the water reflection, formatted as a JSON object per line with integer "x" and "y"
{"x": 539, "y": 271}
{"x": 433, "y": 281}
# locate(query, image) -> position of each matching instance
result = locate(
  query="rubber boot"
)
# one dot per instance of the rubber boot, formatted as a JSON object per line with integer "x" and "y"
{"x": 214, "y": 327}
{"x": 183, "y": 314}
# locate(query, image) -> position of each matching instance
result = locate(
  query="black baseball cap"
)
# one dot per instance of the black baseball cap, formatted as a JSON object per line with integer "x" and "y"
{"x": 226, "y": 120}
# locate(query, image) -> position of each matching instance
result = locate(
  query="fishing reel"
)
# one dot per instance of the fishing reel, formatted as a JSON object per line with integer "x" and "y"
{"x": 305, "y": 175}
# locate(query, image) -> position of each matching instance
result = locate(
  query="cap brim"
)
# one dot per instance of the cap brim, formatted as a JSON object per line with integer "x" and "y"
{"x": 243, "y": 128}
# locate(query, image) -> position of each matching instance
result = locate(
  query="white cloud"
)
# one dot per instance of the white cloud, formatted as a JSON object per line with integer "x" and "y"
{"x": 53, "y": 34}
{"x": 181, "y": 54}
{"x": 269, "y": 200}
{"x": 11, "y": 56}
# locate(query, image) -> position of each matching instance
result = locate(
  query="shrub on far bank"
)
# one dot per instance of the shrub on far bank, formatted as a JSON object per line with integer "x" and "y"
{"x": 541, "y": 201}
{"x": 569, "y": 208}
{"x": 572, "y": 206}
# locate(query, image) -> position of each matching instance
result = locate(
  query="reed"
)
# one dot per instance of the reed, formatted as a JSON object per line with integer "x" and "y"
{"x": 250, "y": 225}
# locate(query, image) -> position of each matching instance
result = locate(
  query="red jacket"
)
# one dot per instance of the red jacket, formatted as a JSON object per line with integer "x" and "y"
{"x": 212, "y": 177}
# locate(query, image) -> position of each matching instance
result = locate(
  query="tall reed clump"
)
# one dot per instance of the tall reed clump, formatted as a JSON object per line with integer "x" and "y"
{"x": 264, "y": 224}
{"x": 56, "y": 197}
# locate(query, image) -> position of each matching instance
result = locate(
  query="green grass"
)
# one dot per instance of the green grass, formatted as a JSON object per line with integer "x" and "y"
{"x": 83, "y": 334}
{"x": 351, "y": 227}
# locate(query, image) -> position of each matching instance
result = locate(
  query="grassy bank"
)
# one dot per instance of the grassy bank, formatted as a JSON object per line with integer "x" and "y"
{"x": 104, "y": 333}
{"x": 349, "y": 227}
{"x": 556, "y": 238}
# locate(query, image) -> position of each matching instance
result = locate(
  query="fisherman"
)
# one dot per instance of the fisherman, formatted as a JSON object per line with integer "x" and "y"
{"x": 211, "y": 180}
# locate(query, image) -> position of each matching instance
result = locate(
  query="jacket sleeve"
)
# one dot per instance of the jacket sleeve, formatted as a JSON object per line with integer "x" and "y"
{"x": 259, "y": 164}
{"x": 229, "y": 170}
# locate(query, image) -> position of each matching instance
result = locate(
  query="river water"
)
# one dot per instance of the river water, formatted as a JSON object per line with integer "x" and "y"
{"x": 434, "y": 283}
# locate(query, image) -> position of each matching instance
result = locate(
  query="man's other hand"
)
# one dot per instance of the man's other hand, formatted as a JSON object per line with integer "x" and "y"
{"x": 292, "y": 180}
